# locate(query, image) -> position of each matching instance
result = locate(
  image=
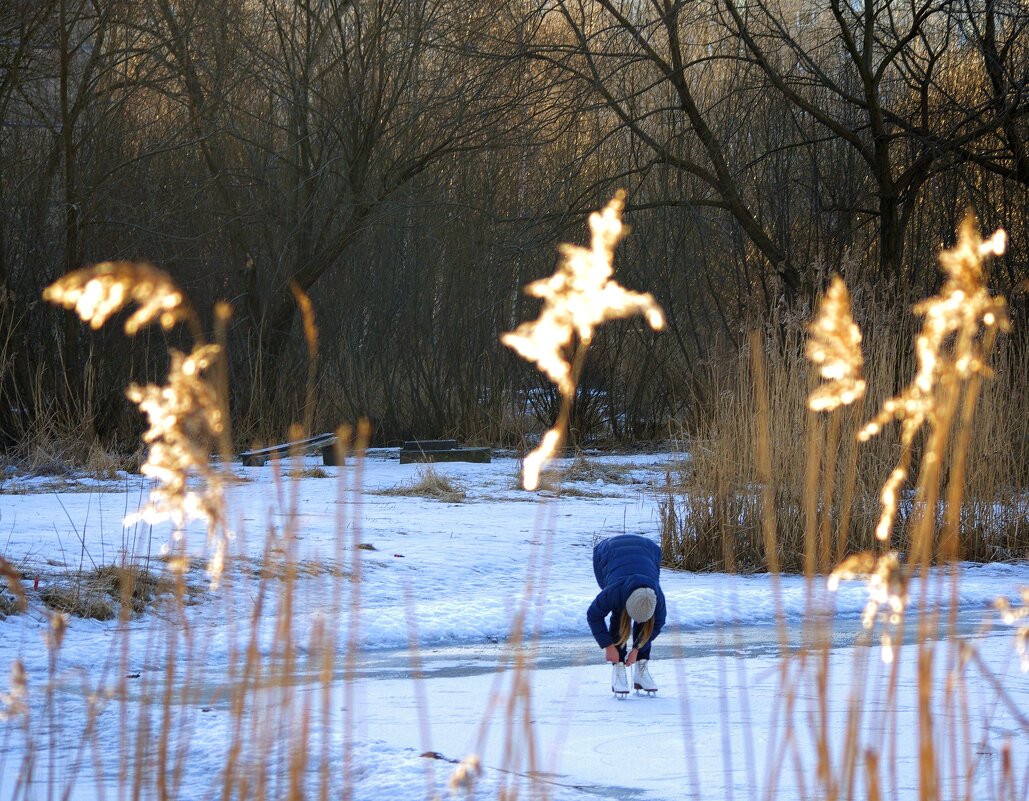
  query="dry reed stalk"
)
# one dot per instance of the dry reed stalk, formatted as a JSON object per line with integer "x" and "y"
{"x": 812, "y": 463}
{"x": 520, "y": 746}
{"x": 242, "y": 685}
{"x": 13, "y": 703}
{"x": 951, "y": 363}
{"x": 353, "y": 642}
{"x": 311, "y": 340}
{"x": 344, "y": 442}
{"x": 421, "y": 700}
{"x": 576, "y": 299}
{"x": 764, "y": 471}
{"x": 220, "y": 379}
{"x": 834, "y": 346}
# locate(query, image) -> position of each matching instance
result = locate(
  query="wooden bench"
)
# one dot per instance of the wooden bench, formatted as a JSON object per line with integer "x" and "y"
{"x": 324, "y": 443}
{"x": 441, "y": 450}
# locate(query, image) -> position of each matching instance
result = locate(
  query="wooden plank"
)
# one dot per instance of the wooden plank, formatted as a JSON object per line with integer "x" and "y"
{"x": 477, "y": 455}
{"x": 430, "y": 445}
{"x": 324, "y": 443}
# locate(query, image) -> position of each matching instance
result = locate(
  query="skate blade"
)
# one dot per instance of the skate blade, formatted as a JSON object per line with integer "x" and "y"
{"x": 638, "y": 688}
{"x": 621, "y": 695}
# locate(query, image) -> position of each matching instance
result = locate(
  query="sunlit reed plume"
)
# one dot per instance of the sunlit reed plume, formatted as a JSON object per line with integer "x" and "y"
{"x": 10, "y": 573}
{"x": 58, "y": 628}
{"x": 185, "y": 415}
{"x": 14, "y": 702}
{"x": 1019, "y": 617}
{"x": 577, "y": 298}
{"x": 463, "y": 779}
{"x": 185, "y": 424}
{"x": 886, "y": 582}
{"x": 946, "y": 345}
{"x": 887, "y": 587}
{"x": 97, "y": 292}
{"x": 834, "y": 345}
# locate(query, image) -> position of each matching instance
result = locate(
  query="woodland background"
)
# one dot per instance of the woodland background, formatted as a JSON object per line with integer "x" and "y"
{"x": 412, "y": 164}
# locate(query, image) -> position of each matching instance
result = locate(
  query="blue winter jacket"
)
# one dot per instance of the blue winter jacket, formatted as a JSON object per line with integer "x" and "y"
{"x": 623, "y": 564}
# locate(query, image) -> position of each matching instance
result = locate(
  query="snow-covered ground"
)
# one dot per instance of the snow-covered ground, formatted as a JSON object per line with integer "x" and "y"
{"x": 739, "y": 710}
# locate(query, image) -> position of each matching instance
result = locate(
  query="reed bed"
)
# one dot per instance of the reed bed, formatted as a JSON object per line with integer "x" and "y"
{"x": 714, "y": 501}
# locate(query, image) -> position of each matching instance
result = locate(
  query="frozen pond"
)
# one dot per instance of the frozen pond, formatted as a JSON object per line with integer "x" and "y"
{"x": 734, "y": 715}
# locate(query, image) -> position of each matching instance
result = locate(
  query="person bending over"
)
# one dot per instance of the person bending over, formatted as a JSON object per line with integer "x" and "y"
{"x": 628, "y": 570}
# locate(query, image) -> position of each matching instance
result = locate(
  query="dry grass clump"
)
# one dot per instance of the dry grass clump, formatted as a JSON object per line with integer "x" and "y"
{"x": 49, "y": 453}
{"x": 134, "y": 586}
{"x": 100, "y": 593}
{"x": 554, "y": 484}
{"x": 282, "y": 568}
{"x": 307, "y": 472}
{"x": 78, "y": 602}
{"x": 428, "y": 483}
{"x": 584, "y": 469}
{"x": 561, "y": 481}
{"x": 61, "y": 485}
{"x": 8, "y": 606}
{"x": 569, "y": 491}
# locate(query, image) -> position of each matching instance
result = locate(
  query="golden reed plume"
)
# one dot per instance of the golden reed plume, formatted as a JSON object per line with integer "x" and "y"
{"x": 14, "y": 702}
{"x": 949, "y": 349}
{"x": 1020, "y": 616}
{"x": 834, "y": 345}
{"x": 577, "y": 298}
{"x": 97, "y": 292}
{"x": 185, "y": 424}
{"x": 185, "y": 415}
{"x": 946, "y": 346}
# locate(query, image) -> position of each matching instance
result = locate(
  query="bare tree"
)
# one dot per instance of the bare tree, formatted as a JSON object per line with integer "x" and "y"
{"x": 654, "y": 69}
{"x": 900, "y": 84}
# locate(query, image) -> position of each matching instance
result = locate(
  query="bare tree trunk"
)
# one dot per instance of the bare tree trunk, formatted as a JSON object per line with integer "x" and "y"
{"x": 70, "y": 357}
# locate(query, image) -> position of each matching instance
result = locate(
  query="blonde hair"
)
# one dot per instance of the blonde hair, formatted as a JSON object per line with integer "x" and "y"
{"x": 625, "y": 629}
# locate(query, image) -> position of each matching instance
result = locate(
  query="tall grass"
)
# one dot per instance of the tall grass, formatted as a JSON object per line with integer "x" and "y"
{"x": 713, "y": 507}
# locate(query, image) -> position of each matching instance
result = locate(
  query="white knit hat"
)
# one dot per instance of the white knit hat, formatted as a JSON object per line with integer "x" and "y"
{"x": 641, "y": 604}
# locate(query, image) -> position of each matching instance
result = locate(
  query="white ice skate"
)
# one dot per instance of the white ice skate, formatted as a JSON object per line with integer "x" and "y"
{"x": 641, "y": 678}
{"x": 619, "y": 681}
